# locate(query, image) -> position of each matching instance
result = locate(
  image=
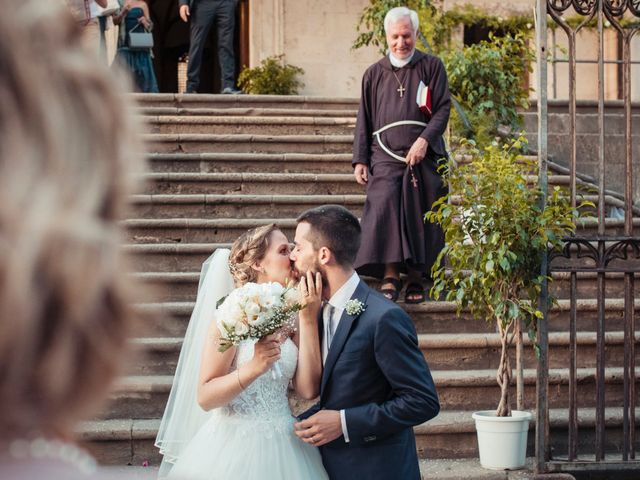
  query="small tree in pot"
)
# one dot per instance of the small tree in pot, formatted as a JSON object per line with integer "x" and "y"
{"x": 495, "y": 234}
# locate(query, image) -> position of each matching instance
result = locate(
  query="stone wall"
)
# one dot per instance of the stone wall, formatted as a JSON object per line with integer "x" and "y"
{"x": 316, "y": 35}
{"x": 559, "y": 141}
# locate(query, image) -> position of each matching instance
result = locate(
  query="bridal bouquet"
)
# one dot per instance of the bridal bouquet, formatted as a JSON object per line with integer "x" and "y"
{"x": 256, "y": 310}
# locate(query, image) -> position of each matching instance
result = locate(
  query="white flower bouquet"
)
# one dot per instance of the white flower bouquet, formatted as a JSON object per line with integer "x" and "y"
{"x": 256, "y": 310}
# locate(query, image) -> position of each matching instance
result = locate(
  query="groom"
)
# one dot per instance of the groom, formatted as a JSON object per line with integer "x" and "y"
{"x": 376, "y": 385}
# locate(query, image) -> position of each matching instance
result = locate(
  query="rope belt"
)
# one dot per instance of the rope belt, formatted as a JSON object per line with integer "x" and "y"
{"x": 392, "y": 125}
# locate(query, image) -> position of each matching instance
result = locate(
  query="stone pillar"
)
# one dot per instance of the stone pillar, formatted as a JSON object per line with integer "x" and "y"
{"x": 266, "y": 30}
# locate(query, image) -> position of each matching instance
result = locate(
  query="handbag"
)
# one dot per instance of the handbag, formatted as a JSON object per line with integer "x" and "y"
{"x": 139, "y": 40}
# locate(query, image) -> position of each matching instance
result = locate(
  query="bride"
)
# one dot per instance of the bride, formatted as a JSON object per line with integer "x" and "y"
{"x": 228, "y": 416}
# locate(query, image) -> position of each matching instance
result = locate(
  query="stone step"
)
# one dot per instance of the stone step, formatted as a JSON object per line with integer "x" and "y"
{"x": 253, "y": 183}
{"x": 221, "y": 206}
{"x": 256, "y": 163}
{"x": 170, "y": 319}
{"x": 298, "y": 102}
{"x": 451, "y": 435}
{"x": 121, "y": 441}
{"x": 246, "y": 111}
{"x": 228, "y": 124}
{"x": 171, "y": 257}
{"x": 242, "y": 205}
{"x": 146, "y": 396}
{"x": 289, "y": 183}
{"x": 443, "y": 352}
{"x": 182, "y": 286}
{"x": 155, "y": 259}
{"x": 225, "y": 230}
{"x": 246, "y": 143}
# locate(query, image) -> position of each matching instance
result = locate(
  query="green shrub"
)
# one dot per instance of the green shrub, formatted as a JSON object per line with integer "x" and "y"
{"x": 272, "y": 77}
{"x": 488, "y": 79}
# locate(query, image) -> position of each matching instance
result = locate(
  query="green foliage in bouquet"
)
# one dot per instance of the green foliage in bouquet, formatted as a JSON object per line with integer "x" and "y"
{"x": 488, "y": 79}
{"x": 272, "y": 77}
{"x": 496, "y": 233}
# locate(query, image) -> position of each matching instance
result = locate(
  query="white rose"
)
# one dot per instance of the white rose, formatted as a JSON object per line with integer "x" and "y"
{"x": 271, "y": 289}
{"x": 292, "y": 297}
{"x": 251, "y": 308}
{"x": 258, "y": 320}
{"x": 241, "y": 328}
{"x": 270, "y": 302}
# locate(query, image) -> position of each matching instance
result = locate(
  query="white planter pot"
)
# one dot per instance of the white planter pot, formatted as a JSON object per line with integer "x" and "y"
{"x": 502, "y": 441}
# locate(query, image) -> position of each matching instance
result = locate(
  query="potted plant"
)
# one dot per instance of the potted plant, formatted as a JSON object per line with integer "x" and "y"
{"x": 496, "y": 231}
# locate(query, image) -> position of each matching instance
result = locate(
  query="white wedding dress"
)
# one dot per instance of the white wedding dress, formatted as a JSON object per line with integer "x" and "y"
{"x": 253, "y": 436}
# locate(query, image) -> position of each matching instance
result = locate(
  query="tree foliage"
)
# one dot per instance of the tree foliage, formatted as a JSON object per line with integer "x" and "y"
{"x": 488, "y": 79}
{"x": 496, "y": 232}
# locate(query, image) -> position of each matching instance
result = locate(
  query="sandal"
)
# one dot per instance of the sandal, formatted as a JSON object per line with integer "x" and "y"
{"x": 415, "y": 290}
{"x": 391, "y": 293}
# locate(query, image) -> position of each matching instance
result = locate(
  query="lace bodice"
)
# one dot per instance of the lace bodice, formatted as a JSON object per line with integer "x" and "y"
{"x": 264, "y": 401}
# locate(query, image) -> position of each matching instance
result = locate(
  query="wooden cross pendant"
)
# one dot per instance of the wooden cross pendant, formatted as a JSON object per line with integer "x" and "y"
{"x": 414, "y": 180}
{"x": 401, "y": 90}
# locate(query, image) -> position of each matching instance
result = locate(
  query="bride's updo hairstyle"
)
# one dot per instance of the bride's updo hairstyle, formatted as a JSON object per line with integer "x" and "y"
{"x": 249, "y": 248}
{"x": 68, "y": 144}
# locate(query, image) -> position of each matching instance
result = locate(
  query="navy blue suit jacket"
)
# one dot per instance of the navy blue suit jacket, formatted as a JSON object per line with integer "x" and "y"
{"x": 376, "y": 372}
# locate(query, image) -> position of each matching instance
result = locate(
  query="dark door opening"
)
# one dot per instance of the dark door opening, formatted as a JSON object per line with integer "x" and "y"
{"x": 171, "y": 39}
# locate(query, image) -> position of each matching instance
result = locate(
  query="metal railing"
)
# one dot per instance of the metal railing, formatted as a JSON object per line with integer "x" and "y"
{"x": 602, "y": 253}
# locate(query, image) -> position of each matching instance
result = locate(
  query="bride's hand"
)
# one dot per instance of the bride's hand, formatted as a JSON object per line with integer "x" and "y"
{"x": 266, "y": 352}
{"x": 312, "y": 293}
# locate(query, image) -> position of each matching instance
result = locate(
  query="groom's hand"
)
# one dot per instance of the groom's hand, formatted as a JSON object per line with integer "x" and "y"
{"x": 321, "y": 428}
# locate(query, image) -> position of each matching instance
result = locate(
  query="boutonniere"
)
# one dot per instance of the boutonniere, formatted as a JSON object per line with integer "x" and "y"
{"x": 354, "y": 307}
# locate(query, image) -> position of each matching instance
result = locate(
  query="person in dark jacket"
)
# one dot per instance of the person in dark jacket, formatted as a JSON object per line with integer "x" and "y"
{"x": 203, "y": 14}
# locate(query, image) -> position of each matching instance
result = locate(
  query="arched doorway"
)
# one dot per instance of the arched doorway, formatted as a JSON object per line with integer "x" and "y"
{"x": 171, "y": 39}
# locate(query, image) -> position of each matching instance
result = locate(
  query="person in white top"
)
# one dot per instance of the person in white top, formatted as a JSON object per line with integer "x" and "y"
{"x": 86, "y": 14}
{"x": 376, "y": 385}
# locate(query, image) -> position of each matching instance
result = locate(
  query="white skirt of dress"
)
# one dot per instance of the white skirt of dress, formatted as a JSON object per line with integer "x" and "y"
{"x": 237, "y": 447}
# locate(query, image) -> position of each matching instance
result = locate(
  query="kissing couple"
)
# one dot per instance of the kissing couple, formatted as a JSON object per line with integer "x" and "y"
{"x": 355, "y": 351}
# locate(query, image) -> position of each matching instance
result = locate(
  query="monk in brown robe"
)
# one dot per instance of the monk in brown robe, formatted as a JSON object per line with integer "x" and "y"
{"x": 399, "y": 166}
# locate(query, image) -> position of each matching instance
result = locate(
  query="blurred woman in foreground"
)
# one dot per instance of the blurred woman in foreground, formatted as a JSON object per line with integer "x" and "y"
{"x": 67, "y": 148}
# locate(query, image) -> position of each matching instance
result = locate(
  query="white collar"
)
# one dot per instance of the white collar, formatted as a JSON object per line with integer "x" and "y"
{"x": 399, "y": 63}
{"x": 339, "y": 299}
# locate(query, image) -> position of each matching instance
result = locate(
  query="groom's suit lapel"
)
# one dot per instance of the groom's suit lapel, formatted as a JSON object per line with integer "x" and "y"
{"x": 342, "y": 333}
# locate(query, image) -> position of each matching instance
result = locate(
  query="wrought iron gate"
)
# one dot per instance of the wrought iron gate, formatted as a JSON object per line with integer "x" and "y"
{"x": 602, "y": 254}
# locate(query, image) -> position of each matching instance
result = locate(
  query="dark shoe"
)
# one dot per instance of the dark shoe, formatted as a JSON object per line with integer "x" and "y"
{"x": 231, "y": 91}
{"x": 391, "y": 293}
{"x": 190, "y": 90}
{"x": 416, "y": 291}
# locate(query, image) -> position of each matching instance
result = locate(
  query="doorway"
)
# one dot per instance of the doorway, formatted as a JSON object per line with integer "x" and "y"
{"x": 171, "y": 40}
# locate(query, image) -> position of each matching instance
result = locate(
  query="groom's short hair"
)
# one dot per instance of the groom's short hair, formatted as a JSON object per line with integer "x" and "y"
{"x": 336, "y": 228}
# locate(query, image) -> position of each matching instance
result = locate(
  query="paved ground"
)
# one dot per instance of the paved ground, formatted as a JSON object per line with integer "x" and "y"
{"x": 431, "y": 469}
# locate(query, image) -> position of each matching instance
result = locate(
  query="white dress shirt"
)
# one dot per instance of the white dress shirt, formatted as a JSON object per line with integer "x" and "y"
{"x": 337, "y": 302}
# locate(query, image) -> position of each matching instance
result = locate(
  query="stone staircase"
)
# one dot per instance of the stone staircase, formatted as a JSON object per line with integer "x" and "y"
{"x": 222, "y": 164}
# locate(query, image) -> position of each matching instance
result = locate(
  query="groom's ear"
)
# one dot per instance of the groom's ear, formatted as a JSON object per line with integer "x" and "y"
{"x": 324, "y": 255}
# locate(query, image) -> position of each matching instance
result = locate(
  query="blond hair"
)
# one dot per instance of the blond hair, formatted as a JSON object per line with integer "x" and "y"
{"x": 67, "y": 149}
{"x": 249, "y": 248}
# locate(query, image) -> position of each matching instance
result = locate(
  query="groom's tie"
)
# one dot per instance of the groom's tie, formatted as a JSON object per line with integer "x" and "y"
{"x": 328, "y": 328}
